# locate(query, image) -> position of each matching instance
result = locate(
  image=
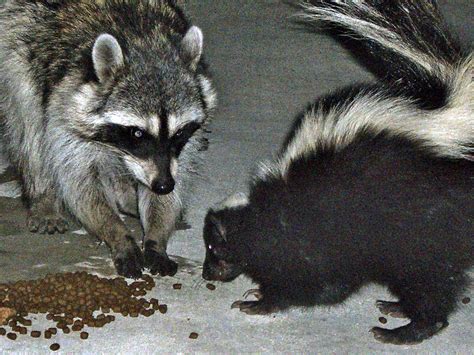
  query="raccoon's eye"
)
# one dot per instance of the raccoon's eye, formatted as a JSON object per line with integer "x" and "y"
{"x": 137, "y": 133}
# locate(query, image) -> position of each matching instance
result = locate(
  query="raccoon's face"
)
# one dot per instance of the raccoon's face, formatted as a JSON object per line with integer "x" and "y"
{"x": 152, "y": 108}
{"x": 150, "y": 148}
{"x": 221, "y": 263}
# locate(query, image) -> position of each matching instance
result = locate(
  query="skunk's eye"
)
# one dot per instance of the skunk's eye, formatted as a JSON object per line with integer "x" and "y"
{"x": 209, "y": 247}
{"x": 137, "y": 133}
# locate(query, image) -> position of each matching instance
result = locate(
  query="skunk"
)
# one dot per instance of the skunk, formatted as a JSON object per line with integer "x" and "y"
{"x": 374, "y": 183}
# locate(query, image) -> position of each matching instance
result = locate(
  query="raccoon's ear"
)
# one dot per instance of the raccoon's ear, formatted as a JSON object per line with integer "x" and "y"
{"x": 191, "y": 47}
{"x": 107, "y": 57}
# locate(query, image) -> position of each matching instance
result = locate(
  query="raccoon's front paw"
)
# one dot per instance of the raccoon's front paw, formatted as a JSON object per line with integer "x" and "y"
{"x": 159, "y": 263}
{"x": 129, "y": 261}
{"x": 49, "y": 224}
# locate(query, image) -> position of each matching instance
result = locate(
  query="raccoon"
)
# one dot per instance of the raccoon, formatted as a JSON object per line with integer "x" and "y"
{"x": 374, "y": 182}
{"x": 103, "y": 106}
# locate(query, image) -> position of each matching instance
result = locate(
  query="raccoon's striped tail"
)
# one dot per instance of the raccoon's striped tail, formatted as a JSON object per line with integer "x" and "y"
{"x": 422, "y": 61}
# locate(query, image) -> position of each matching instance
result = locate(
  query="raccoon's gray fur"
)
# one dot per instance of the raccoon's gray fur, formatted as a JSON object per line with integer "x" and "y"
{"x": 102, "y": 106}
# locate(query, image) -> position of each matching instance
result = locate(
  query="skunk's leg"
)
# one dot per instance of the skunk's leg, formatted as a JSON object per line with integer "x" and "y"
{"x": 392, "y": 309}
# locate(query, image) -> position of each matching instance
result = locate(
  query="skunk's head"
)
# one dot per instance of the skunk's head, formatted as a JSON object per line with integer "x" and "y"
{"x": 221, "y": 233}
{"x": 145, "y": 102}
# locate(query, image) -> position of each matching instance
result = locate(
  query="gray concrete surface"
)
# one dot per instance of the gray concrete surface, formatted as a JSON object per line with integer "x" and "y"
{"x": 265, "y": 71}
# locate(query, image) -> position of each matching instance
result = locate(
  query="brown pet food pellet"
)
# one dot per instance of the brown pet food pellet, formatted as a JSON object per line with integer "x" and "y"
{"x": 177, "y": 286}
{"x": 193, "y": 335}
{"x": 84, "y": 335}
{"x": 6, "y": 313}
{"x": 211, "y": 287}
{"x": 77, "y": 327}
{"x": 23, "y": 331}
{"x": 70, "y": 301}
{"x": 55, "y": 347}
{"x": 466, "y": 300}
{"x": 148, "y": 312}
{"x": 11, "y": 336}
{"x": 35, "y": 334}
{"x": 383, "y": 320}
{"x": 163, "y": 308}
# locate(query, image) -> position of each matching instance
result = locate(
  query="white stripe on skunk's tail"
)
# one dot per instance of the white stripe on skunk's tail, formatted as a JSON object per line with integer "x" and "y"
{"x": 423, "y": 62}
{"x": 413, "y": 30}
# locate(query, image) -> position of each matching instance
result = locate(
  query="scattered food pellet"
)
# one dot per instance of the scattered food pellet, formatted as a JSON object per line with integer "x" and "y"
{"x": 66, "y": 330}
{"x": 466, "y": 300}
{"x": 35, "y": 334}
{"x": 55, "y": 347}
{"x": 23, "y": 331}
{"x": 193, "y": 335}
{"x": 73, "y": 301}
{"x": 211, "y": 287}
{"x": 383, "y": 320}
{"x": 177, "y": 286}
{"x": 6, "y": 313}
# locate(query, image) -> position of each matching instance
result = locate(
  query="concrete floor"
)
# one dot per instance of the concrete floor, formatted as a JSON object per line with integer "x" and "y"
{"x": 265, "y": 71}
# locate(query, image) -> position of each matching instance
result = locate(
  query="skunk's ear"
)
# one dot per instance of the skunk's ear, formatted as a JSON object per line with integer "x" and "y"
{"x": 217, "y": 226}
{"x": 191, "y": 47}
{"x": 107, "y": 57}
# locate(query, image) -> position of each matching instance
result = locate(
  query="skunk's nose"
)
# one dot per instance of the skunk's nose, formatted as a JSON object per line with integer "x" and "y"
{"x": 163, "y": 187}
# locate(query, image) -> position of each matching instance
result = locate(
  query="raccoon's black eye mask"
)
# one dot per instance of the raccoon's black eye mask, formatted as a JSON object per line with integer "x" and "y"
{"x": 131, "y": 139}
{"x": 182, "y": 136}
{"x": 139, "y": 142}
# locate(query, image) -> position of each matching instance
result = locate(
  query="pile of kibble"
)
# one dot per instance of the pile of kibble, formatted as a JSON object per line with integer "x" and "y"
{"x": 73, "y": 301}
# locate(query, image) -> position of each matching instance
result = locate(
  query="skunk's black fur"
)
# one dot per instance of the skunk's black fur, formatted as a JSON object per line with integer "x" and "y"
{"x": 373, "y": 184}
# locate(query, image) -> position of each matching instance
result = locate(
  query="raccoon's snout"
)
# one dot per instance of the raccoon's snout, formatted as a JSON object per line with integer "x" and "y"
{"x": 163, "y": 187}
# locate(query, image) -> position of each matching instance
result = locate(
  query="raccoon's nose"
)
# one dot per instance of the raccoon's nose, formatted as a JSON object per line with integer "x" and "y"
{"x": 162, "y": 187}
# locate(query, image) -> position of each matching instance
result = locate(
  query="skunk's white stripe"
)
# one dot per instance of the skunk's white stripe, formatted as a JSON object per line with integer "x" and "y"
{"x": 356, "y": 15}
{"x": 448, "y": 131}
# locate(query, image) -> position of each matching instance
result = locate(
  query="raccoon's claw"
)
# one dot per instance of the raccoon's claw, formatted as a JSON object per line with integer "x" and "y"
{"x": 160, "y": 263}
{"x": 47, "y": 225}
{"x": 410, "y": 334}
{"x": 129, "y": 263}
{"x": 254, "y": 307}
{"x": 392, "y": 309}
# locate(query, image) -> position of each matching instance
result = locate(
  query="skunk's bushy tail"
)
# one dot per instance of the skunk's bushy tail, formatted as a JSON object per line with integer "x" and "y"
{"x": 422, "y": 61}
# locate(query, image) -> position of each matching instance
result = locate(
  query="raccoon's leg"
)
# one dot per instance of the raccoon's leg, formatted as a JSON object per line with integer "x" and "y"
{"x": 43, "y": 215}
{"x": 90, "y": 206}
{"x": 158, "y": 214}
